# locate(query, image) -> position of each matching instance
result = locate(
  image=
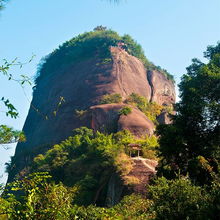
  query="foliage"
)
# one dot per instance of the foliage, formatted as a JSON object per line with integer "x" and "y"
{"x": 125, "y": 111}
{"x": 150, "y": 109}
{"x": 38, "y": 199}
{"x": 135, "y": 207}
{"x": 178, "y": 199}
{"x": 131, "y": 207}
{"x": 85, "y": 160}
{"x": 90, "y": 44}
{"x": 9, "y": 135}
{"x": 80, "y": 113}
{"x": 123, "y": 163}
{"x": 149, "y": 146}
{"x": 111, "y": 98}
{"x": 11, "y": 110}
{"x": 191, "y": 143}
{"x": 100, "y": 28}
{"x": 4, "y": 70}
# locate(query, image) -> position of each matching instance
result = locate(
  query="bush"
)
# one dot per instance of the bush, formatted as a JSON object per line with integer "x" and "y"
{"x": 125, "y": 111}
{"x": 150, "y": 109}
{"x": 111, "y": 98}
{"x": 123, "y": 163}
{"x": 38, "y": 199}
{"x": 178, "y": 199}
{"x": 134, "y": 207}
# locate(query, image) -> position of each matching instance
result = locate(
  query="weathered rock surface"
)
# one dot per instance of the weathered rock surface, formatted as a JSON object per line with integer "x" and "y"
{"x": 106, "y": 118}
{"x": 162, "y": 89}
{"x": 137, "y": 123}
{"x": 129, "y": 75}
{"x": 82, "y": 85}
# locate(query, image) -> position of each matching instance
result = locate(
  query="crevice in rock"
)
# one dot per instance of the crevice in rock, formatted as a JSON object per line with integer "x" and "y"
{"x": 149, "y": 79}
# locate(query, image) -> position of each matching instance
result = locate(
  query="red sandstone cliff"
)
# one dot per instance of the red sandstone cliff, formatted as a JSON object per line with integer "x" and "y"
{"x": 82, "y": 85}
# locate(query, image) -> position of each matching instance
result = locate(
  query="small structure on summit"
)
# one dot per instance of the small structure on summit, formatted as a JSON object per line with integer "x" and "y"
{"x": 135, "y": 150}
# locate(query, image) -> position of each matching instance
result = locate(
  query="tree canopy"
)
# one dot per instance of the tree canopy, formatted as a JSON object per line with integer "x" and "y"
{"x": 192, "y": 142}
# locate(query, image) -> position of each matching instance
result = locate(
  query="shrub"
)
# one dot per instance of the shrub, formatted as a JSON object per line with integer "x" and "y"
{"x": 40, "y": 199}
{"x": 85, "y": 160}
{"x": 80, "y": 113}
{"x": 123, "y": 164}
{"x": 178, "y": 199}
{"x": 125, "y": 111}
{"x": 131, "y": 180}
{"x": 134, "y": 207}
{"x": 150, "y": 109}
{"x": 111, "y": 98}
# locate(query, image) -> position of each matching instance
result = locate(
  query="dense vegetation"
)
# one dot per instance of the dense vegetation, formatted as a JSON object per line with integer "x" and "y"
{"x": 111, "y": 98}
{"x": 86, "y": 161}
{"x": 192, "y": 143}
{"x": 167, "y": 199}
{"x": 87, "y": 45}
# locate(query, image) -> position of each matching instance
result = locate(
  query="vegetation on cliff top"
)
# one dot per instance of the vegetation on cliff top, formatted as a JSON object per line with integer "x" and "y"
{"x": 90, "y": 44}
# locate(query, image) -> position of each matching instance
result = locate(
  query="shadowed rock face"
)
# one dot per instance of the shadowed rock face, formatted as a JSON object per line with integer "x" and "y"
{"x": 82, "y": 86}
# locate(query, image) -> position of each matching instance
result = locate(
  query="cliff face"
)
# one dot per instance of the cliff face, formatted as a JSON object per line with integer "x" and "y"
{"x": 162, "y": 90}
{"x": 82, "y": 85}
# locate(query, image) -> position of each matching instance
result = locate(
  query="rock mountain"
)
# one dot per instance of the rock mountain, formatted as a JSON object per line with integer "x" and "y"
{"x": 66, "y": 86}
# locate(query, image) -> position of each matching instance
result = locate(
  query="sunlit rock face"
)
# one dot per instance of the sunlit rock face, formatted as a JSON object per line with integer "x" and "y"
{"x": 162, "y": 89}
{"x": 81, "y": 86}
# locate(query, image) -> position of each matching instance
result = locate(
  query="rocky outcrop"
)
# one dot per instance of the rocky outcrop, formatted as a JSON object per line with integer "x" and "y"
{"x": 162, "y": 89}
{"x": 129, "y": 75}
{"x": 82, "y": 85}
{"x": 106, "y": 118}
{"x": 137, "y": 123}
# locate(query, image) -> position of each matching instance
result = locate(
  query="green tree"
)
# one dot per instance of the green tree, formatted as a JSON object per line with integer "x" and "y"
{"x": 9, "y": 135}
{"x": 178, "y": 199}
{"x": 39, "y": 199}
{"x": 192, "y": 142}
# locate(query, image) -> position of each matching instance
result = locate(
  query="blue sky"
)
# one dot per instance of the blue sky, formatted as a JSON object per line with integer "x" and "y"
{"x": 171, "y": 32}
